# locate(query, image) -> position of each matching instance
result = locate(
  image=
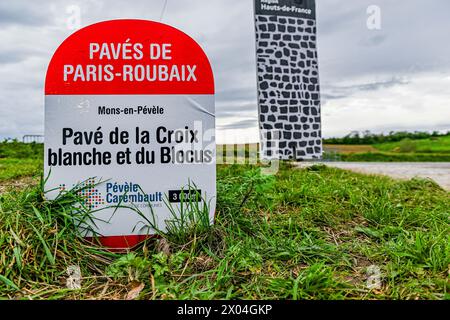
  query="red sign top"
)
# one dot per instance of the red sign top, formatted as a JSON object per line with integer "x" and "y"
{"x": 129, "y": 57}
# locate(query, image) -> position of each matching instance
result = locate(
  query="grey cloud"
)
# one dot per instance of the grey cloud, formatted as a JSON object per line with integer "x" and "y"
{"x": 233, "y": 110}
{"x": 412, "y": 41}
{"x": 347, "y": 48}
{"x": 333, "y": 92}
{"x": 11, "y": 56}
{"x": 242, "y": 124}
{"x": 18, "y": 55}
{"x": 381, "y": 84}
{"x": 24, "y": 13}
{"x": 373, "y": 40}
{"x": 325, "y": 96}
{"x": 237, "y": 94}
{"x": 442, "y": 127}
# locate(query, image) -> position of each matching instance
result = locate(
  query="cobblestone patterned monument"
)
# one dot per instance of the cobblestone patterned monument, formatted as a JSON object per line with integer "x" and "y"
{"x": 288, "y": 79}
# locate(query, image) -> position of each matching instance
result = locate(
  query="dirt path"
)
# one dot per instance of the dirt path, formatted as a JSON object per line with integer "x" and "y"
{"x": 18, "y": 183}
{"x": 437, "y": 171}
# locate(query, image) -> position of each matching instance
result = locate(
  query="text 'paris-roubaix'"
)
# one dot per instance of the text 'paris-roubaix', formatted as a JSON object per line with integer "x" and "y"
{"x": 131, "y": 73}
{"x": 154, "y": 72}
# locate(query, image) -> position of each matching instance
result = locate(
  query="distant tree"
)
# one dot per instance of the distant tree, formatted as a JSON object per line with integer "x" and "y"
{"x": 366, "y": 137}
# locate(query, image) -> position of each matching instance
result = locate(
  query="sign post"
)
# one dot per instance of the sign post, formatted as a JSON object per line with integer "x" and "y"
{"x": 130, "y": 117}
{"x": 288, "y": 79}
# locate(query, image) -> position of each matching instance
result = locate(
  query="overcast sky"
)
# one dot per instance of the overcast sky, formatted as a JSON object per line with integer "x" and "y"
{"x": 394, "y": 78}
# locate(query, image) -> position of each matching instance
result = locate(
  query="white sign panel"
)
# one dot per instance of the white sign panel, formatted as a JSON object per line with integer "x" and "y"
{"x": 130, "y": 118}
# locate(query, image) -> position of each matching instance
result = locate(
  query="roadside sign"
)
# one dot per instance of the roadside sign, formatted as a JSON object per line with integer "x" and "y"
{"x": 130, "y": 118}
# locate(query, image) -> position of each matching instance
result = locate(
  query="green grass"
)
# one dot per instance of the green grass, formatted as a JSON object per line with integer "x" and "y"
{"x": 20, "y": 159}
{"x": 19, "y": 150}
{"x": 17, "y": 168}
{"x": 302, "y": 234}
{"x": 435, "y": 149}
{"x": 391, "y": 157}
{"x": 439, "y": 145}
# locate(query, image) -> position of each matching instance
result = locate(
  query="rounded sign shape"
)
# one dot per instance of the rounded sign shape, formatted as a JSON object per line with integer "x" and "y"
{"x": 130, "y": 128}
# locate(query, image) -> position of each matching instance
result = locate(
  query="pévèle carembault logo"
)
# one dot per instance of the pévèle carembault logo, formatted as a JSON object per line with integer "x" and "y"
{"x": 88, "y": 191}
{"x": 130, "y": 192}
{"x": 116, "y": 193}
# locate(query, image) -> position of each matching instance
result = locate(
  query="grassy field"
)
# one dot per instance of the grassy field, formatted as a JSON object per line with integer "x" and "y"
{"x": 19, "y": 160}
{"x": 16, "y": 168}
{"x": 440, "y": 145}
{"x": 393, "y": 157}
{"x": 435, "y": 149}
{"x": 349, "y": 149}
{"x": 19, "y": 150}
{"x": 317, "y": 233}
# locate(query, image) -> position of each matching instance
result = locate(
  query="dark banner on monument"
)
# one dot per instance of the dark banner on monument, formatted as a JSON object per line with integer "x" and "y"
{"x": 288, "y": 79}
